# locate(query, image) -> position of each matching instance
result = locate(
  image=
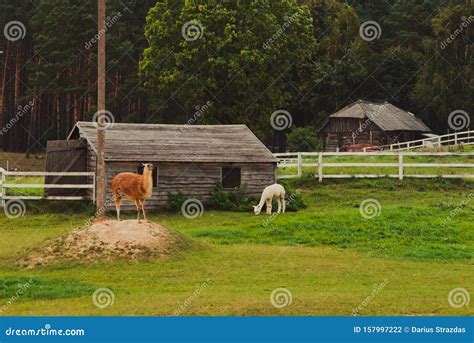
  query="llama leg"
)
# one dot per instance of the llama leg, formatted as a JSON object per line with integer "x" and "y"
{"x": 137, "y": 204}
{"x": 143, "y": 209}
{"x": 279, "y": 204}
{"x": 283, "y": 201}
{"x": 269, "y": 206}
{"x": 118, "y": 201}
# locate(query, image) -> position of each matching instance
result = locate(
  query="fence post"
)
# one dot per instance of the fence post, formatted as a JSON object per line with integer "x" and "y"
{"x": 2, "y": 181}
{"x": 300, "y": 165}
{"x": 456, "y": 138}
{"x": 93, "y": 189}
{"x": 400, "y": 166}
{"x": 320, "y": 167}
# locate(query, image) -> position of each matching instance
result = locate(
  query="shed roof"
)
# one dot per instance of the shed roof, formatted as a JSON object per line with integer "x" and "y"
{"x": 385, "y": 115}
{"x": 177, "y": 143}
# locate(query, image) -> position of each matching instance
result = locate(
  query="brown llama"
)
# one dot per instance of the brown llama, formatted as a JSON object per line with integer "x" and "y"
{"x": 134, "y": 187}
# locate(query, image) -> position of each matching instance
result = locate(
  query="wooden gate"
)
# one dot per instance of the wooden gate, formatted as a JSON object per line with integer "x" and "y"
{"x": 66, "y": 156}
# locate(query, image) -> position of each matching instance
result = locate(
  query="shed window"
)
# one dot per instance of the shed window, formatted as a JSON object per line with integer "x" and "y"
{"x": 154, "y": 175}
{"x": 231, "y": 177}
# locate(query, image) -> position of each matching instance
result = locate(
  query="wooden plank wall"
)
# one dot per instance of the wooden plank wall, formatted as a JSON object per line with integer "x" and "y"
{"x": 66, "y": 156}
{"x": 193, "y": 179}
{"x": 341, "y": 132}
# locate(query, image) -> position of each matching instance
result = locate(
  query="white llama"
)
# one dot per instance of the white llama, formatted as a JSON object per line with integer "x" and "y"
{"x": 269, "y": 192}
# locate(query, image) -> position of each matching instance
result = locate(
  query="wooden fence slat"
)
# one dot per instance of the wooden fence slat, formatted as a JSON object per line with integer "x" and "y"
{"x": 361, "y": 164}
{"x": 286, "y": 160}
{"x": 456, "y": 138}
{"x": 12, "y": 173}
{"x": 53, "y": 185}
{"x": 34, "y": 197}
{"x": 9, "y": 174}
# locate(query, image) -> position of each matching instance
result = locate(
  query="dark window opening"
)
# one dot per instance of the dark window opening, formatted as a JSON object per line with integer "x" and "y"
{"x": 231, "y": 177}
{"x": 154, "y": 174}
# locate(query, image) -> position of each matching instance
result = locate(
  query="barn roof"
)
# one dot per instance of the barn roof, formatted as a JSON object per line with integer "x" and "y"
{"x": 385, "y": 115}
{"x": 176, "y": 143}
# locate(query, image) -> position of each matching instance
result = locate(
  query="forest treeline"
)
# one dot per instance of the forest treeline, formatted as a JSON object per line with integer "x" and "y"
{"x": 243, "y": 60}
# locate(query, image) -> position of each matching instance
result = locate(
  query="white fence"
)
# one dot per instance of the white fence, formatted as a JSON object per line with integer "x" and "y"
{"x": 6, "y": 184}
{"x": 316, "y": 161}
{"x": 456, "y": 138}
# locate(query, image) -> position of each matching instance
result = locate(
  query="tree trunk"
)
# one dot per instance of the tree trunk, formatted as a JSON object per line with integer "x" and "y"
{"x": 2, "y": 91}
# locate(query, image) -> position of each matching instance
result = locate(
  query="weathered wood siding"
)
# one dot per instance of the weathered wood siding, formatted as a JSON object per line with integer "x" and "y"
{"x": 66, "y": 156}
{"x": 195, "y": 180}
{"x": 342, "y": 132}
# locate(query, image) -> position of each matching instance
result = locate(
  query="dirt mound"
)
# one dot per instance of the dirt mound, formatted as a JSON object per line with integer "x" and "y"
{"x": 105, "y": 240}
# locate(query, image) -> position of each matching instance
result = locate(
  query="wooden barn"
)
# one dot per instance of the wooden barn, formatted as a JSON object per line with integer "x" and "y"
{"x": 376, "y": 124}
{"x": 188, "y": 159}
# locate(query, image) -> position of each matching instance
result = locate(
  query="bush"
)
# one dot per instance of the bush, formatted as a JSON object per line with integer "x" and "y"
{"x": 304, "y": 139}
{"x": 293, "y": 199}
{"x": 222, "y": 200}
{"x": 175, "y": 201}
{"x": 237, "y": 201}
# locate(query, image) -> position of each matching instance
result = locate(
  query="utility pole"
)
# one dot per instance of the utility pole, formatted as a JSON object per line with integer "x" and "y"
{"x": 101, "y": 184}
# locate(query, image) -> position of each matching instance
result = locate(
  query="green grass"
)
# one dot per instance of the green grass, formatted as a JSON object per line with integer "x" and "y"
{"x": 40, "y": 288}
{"x": 25, "y": 180}
{"x": 327, "y": 255}
{"x": 410, "y": 224}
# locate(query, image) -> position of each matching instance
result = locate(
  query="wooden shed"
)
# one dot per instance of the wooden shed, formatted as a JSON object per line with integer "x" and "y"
{"x": 364, "y": 122}
{"x": 190, "y": 159}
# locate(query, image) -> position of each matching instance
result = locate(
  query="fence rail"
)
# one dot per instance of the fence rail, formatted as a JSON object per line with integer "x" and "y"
{"x": 456, "y": 138}
{"x": 6, "y": 175}
{"x": 300, "y": 160}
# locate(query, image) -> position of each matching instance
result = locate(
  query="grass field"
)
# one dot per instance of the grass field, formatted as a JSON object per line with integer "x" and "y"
{"x": 405, "y": 261}
{"x": 16, "y": 161}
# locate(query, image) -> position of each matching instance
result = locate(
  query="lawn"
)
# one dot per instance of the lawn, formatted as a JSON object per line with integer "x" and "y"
{"x": 404, "y": 261}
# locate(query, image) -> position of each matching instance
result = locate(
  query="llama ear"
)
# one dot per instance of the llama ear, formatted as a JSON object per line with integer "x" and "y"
{"x": 143, "y": 164}
{"x": 254, "y": 206}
